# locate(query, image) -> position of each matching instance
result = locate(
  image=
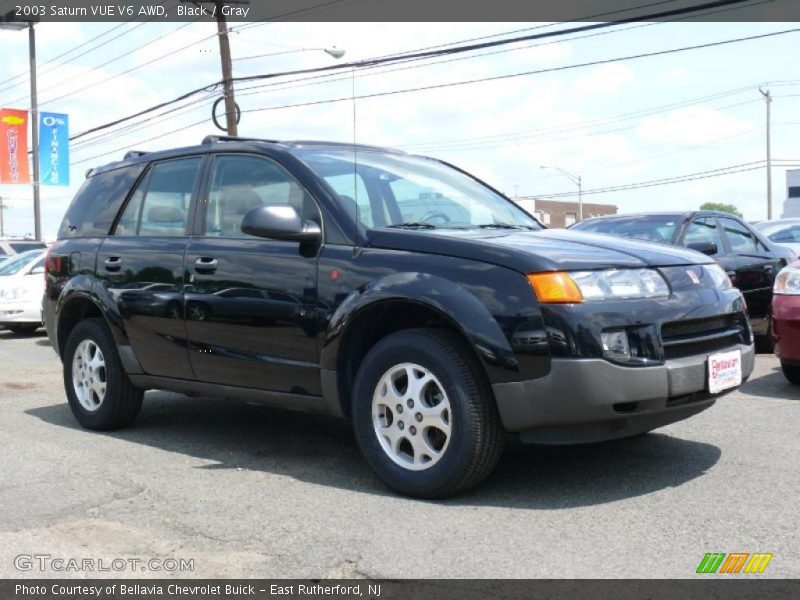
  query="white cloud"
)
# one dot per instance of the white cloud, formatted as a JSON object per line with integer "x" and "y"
{"x": 605, "y": 79}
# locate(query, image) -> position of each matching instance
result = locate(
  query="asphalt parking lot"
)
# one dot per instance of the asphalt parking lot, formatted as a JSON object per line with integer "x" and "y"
{"x": 247, "y": 491}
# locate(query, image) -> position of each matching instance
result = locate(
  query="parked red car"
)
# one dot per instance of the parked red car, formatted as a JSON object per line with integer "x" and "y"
{"x": 786, "y": 320}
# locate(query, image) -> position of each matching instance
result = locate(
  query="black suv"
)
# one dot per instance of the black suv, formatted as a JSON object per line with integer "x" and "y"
{"x": 393, "y": 290}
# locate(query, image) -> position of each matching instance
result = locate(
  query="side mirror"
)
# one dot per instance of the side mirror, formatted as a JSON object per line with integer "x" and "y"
{"x": 708, "y": 248}
{"x": 280, "y": 222}
{"x": 36, "y": 271}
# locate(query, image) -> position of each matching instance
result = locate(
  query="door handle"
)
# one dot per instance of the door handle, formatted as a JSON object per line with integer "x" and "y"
{"x": 205, "y": 264}
{"x": 113, "y": 263}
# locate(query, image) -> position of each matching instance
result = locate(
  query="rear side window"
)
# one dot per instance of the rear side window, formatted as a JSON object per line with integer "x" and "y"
{"x": 160, "y": 204}
{"x": 97, "y": 202}
{"x": 739, "y": 237}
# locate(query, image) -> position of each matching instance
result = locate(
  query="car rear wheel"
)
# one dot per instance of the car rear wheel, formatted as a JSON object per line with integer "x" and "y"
{"x": 424, "y": 415}
{"x": 98, "y": 390}
{"x": 791, "y": 372}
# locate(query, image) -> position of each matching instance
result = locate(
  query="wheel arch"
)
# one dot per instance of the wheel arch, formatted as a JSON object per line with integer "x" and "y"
{"x": 405, "y": 301}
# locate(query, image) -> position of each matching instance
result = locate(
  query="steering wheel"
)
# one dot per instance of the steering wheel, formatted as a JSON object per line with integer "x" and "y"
{"x": 436, "y": 215}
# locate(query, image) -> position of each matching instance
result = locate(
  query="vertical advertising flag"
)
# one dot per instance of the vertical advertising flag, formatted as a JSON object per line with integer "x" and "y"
{"x": 53, "y": 149}
{"x": 14, "y": 146}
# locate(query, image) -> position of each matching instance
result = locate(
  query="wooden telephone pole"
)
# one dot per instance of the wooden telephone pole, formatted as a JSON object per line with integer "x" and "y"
{"x": 225, "y": 60}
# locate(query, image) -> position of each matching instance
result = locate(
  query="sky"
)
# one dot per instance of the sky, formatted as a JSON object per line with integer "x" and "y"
{"x": 614, "y": 124}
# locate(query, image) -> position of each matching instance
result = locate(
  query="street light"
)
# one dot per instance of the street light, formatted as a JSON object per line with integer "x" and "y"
{"x": 8, "y": 22}
{"x": 577, "y": 180}
{"x": 333, "y": 51}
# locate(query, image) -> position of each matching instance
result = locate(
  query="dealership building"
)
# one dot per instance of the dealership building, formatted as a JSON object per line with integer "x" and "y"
{"x": 791, "y": 206}
{"x": 555, "y": 213}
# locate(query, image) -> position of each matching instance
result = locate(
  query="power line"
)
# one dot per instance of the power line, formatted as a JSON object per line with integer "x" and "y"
{"x": 467, "y": 48}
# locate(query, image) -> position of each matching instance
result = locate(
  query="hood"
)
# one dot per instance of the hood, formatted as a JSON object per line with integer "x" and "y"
{"x": 531, "y": 251}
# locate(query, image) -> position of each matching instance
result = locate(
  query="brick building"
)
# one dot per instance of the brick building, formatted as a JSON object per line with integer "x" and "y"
{"x": 555, "y": 213}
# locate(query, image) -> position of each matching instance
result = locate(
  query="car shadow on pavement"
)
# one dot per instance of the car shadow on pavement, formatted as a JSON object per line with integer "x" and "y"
{"x": 5, "y": 334}
{"x": 772, "y": 384}
{"x": 323, "y": 451}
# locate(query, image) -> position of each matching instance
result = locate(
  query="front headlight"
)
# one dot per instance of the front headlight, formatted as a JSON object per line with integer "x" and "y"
{"x": 585, "y": 286}
{"x": 719, "y": 276}
{"x": 788, "y": 282}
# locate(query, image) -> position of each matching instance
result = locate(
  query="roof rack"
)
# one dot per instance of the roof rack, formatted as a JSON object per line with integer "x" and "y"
{"x": 134, "y": 154}
{"x": 214, "y": 139}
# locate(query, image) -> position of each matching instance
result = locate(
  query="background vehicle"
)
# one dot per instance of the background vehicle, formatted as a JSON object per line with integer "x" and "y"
{"x": 21, "y": 290}
{"x": 11, "y": 247}
{"x": 751, "y": 260}
{"x": 783, "y": 232}
{"x": 786, "y": 321}
{"x": 393, "y": 290}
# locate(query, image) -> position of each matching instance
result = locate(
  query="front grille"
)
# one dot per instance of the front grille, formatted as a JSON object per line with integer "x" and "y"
{"x": 701, "y": 336}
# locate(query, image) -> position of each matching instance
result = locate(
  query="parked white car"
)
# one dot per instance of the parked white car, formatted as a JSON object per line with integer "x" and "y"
{"x": 785, "y": 232}
{"x": 21, "y": 291}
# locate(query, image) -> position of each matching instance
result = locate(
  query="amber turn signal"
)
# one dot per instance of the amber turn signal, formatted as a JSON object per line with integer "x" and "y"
{"x": 555, "y": 288}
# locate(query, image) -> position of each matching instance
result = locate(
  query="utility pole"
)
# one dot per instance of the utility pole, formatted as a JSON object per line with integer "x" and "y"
{"x": 9, "y": 21}
{"x": 580, "y": 198}
{"x": 227, "y": 70}
{"x": 225, "y": 59}
{"x": 37, "y": 210}
{"x": 2, "y": 210}
{"x": 768, "y": 99}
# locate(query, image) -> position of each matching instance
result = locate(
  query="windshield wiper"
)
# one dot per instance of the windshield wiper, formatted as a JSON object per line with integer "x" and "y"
{"x": 501, "y": 226}
{"x": 414, "y": 225}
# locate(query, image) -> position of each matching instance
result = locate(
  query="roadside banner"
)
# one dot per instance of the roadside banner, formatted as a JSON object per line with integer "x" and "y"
{"x": 14, "y": 146}
{"x": 53, "y": 149}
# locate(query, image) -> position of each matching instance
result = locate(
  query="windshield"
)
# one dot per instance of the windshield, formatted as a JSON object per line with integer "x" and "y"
{"x": 15, "y": 264}
{"x": 395, "y": 190}
{"x": 653, "y": 228}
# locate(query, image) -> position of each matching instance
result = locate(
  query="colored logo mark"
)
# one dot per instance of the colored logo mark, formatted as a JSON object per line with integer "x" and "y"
{"x": 12, "y": 120}
{"x": 736, "y": 562}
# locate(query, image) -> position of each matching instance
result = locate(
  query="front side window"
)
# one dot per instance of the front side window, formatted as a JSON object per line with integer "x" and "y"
{"x": 160, "y": 204}
{"x": 394, "y": 190}
{"x": 740, "y": 239}
{"x": 704, "y": 231}
{"x": 241, "y": 183}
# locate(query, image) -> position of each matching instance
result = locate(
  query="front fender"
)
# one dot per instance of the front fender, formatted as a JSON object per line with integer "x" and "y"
{"x": 452, "y": 301}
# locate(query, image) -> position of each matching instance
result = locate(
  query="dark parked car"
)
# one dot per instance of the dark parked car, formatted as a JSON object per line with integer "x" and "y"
{"x": 422, "y": 304}
{"x": 749, "y": 258}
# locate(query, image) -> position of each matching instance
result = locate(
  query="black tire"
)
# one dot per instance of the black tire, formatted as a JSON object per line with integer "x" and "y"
{"x": 122, "y": 400}
{"x": 477, "y": 436}
{"x": 763, "y": 344}
{"x": 23, "y": 329}
{"x": 791, "y": 372}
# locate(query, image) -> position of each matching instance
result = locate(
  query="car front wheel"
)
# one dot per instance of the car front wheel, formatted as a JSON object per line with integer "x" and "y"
{"x": 424, "y": 416}
{"x": 98, "y": 390}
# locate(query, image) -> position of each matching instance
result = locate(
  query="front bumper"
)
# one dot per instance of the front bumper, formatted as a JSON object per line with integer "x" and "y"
{"x": 24, "y": 312}
{"x": 589, "y": 400}
{"x": 786, "y": 327}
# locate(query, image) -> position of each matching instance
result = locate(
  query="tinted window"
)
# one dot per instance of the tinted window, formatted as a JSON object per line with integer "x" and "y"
{"x": 739, "y": 237}
{"x": 704, "y": 230}
{"x": 97, "y": 202}
{"x": 160, "y": 205}
{"x": 241, "y": 183}
{"x": 654, "y": 228}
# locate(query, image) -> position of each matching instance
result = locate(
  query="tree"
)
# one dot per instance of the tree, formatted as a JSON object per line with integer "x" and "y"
{"x": 728, "y": 208}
